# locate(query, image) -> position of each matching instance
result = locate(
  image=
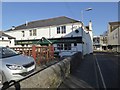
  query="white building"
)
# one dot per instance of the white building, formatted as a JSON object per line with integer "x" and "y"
{"x": 100, "y": 43}
{"x": 67, "y": 35}
{"x": 96, "y": 43}
{"x": 6, "y": 40}
{"x": 114, "y": 36}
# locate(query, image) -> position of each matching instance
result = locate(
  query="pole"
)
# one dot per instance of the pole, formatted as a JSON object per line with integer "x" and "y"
{"x": 118, "y": 37}
{"x": 82, "y": 15}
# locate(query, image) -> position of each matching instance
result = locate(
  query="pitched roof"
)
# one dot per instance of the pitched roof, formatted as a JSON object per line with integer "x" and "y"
{"x": 3, "y": 34}
{"x": 46, "y": 22}
{"x": 114, "y": 23}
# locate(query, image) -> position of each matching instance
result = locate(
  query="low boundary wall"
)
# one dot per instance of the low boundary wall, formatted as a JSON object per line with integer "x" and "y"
{"x": 50, "y": 77}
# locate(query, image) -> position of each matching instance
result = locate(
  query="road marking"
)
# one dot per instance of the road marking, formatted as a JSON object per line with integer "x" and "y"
{"x": 96, "y": 74}
{"x": 100, "y": 72}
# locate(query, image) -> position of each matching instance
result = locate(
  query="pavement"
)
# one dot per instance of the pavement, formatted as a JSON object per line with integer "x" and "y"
{"x": 97, "y": 71}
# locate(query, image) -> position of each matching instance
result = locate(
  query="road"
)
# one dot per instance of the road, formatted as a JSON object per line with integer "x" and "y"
{"x": 108, "y": 69}
{"x": 99, "y": 70}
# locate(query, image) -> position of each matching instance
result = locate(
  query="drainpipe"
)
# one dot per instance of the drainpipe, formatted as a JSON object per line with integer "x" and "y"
{"x": 49, "y": 32}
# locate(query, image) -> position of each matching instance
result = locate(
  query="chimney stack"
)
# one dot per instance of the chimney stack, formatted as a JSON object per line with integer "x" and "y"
{"x": 90, "y": 25}
{"x": 13, "y": 27}
{"x": 26, "y": 23}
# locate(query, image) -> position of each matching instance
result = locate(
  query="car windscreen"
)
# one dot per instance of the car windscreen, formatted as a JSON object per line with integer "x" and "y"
{"x": 7, "y": 52}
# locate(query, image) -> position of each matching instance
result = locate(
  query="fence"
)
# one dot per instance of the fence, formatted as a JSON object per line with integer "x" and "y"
{"x": 41, "y": 54}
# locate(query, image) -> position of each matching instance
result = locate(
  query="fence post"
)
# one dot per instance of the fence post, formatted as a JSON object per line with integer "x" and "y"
{"x": 52, "y": 52}
{"x": 34, "y": 52}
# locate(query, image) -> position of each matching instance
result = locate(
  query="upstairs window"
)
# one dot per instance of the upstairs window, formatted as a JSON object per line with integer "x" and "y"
{"x": 34, "y": 32}
{"x": 61, "y": 30}
{"x": 2, "y": 38}
{"x": 58, "y": 30}
{"x": 23, "y": 33}
{"x": 30, "y": 32}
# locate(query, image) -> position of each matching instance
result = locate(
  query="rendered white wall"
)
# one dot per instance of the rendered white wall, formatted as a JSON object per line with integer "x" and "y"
{"x": 47, "y": 32}
{"x": 4, "y": 43}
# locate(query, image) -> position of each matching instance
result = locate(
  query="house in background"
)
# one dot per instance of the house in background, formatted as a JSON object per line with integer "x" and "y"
{"x": 67, "y": 35}
{"x": 104, "y": 41}
{"x": 100, "y": 43}
{"x": 114, "y": 36}
{"x": 6, "y": 40}
{"x": 96, "y": 43}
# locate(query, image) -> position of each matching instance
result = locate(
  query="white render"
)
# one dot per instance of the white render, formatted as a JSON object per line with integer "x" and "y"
{"x": 47, "y": 32}
{"x": 51, "y": 32}
{"x": 4, "y": 41}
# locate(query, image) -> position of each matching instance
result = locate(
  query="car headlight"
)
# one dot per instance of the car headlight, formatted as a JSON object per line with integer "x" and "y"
{"x": 14, "y": 67}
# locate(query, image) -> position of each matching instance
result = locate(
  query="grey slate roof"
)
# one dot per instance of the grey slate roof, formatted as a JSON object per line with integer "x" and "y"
{"x": 46, "y": 22}
{"x": 3, "y": 34}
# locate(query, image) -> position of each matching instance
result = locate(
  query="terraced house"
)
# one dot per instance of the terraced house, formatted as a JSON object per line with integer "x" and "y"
{"x": 114, "y": 36}
{"x": 67, "y": 35}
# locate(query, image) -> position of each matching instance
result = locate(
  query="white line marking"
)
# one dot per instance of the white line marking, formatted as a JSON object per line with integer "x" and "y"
{"x": 96, "y": 74}
{"x": 100, "y": 73}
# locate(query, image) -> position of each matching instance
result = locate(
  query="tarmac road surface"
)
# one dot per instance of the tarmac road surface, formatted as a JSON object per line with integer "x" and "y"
{"x": 98, "y": 70}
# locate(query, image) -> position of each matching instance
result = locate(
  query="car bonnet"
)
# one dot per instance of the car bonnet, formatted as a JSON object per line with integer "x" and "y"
{"x": 18, "y": 60}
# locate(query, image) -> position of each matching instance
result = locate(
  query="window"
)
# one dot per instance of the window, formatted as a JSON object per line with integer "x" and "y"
{"x": 2, "y": 38}
{"x": 75, "y": 44}
{"x": 60, "y": 46}
{"x": 67, "y": 46}
{"x": 116, "y": 35}
{"x": 30, "y": 32}
{"x": 34, "y": 32}
{"x": 23, "y": 34}
{"x": 61, "y": 30}
{"x": 58, "y": 30}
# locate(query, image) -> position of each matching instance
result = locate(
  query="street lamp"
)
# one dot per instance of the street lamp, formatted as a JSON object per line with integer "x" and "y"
{"x": 88, "y": 9}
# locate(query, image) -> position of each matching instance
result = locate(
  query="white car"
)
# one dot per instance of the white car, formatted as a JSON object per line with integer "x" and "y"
{"x": 14, "y": 66}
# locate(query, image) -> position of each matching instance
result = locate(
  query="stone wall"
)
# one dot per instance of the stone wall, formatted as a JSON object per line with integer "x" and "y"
{"x": 50, "y": 77}
{"x": 54, "y": 75}
{"x": 75, "y": 61}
